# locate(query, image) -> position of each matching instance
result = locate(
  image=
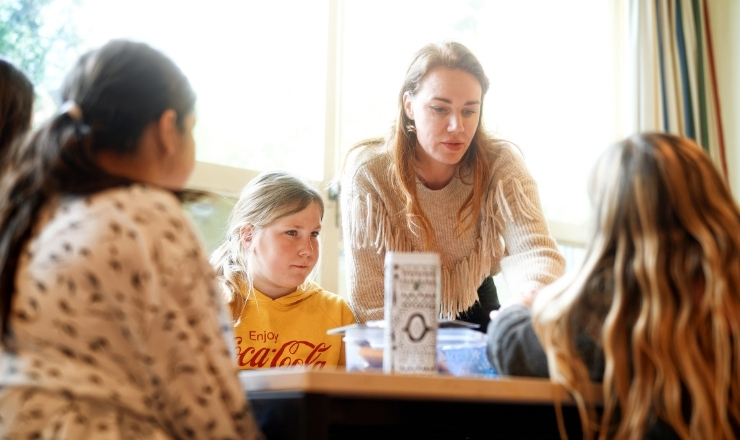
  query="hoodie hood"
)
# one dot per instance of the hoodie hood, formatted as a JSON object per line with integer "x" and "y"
{"x": 305, "y": 291}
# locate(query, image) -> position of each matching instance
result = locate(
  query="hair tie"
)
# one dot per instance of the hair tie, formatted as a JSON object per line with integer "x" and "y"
{"x": 72, "y": 109}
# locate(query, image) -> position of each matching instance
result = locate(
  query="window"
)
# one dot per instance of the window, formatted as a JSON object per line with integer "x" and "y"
{"x": 294, "y": 84}
{"x": 259, "y": 69}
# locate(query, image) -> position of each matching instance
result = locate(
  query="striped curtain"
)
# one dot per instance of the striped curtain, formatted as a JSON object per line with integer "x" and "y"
{"x": 672, "y": 85}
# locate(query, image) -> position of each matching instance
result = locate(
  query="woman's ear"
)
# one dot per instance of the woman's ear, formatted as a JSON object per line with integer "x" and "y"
{"x": 407, "y": 105}
{"x": 170, "y": 135}
{"x": 245, "y": 236}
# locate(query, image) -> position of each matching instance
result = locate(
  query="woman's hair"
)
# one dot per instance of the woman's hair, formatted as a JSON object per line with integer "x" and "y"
{"x": 267, "y": 198}
{"x": 664, "y": 261}
{"x": 16, "y": 104}
{"x": 111, "y": 95}
{"x": 402, "y": 141}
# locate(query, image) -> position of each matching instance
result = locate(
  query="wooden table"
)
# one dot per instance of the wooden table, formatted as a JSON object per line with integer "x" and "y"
{"x": 302, "y": 404}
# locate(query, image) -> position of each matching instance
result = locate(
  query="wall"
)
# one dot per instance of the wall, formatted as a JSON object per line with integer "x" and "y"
{"x": 724, "y": 16}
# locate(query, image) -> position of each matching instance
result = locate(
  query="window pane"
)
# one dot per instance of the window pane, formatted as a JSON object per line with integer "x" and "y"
{"x": 258, "y": 68}
{"x": 549, "y": 66}
{"x": 211, "y": 215}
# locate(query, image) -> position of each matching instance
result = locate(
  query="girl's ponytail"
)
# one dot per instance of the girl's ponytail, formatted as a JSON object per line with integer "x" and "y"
{"x": 25, "y": 186}
{"x": 111, "y": 96}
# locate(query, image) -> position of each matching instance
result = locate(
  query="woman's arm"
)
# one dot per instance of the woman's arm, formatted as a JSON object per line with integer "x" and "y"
{"x": 363, "y": 226}
{"x": 532, "y": 258}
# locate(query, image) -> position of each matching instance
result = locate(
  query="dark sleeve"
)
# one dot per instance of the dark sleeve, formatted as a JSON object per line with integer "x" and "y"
{"x": 592, "y": 356}
{"x": 513, "y": 347}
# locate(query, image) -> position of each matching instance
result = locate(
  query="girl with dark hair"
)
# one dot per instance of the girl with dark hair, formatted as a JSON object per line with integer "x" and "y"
{"x": 111, "y": 320}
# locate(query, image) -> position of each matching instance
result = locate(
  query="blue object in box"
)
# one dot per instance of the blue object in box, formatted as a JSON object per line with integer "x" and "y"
{"x": 462, "y": 352}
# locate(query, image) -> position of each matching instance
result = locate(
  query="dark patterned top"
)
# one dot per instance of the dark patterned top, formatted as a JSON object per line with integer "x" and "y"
{"x": 119, "y": 327}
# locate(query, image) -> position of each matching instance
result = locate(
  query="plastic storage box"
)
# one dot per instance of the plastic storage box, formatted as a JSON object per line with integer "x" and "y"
{"x": 460, "y": 351}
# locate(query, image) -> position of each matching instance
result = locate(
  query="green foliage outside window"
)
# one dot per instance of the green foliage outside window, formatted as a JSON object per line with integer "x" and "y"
{"x": 40, "y": 37}
{"x": 30, "y": 39}
{"x": 21, "y": 40}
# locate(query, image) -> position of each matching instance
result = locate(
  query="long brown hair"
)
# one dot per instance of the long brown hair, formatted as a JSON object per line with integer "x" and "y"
{"x": 402, "y": 141}
{"x": 116, "y": 91}
{"x": 665, "y": 258}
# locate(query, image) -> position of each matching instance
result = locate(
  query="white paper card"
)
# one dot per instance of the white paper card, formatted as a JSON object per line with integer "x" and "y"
{"x": 412, "y": 298}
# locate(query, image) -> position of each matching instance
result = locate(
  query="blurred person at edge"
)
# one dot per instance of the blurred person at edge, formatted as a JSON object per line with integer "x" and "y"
{"x": 16, "y": 104}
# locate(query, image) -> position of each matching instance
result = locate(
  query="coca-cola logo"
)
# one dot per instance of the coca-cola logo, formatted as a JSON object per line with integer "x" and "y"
{"x": 290, "y": 353}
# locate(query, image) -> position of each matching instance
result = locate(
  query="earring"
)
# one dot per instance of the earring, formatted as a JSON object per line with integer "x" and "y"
{"x": 411, "y": 128}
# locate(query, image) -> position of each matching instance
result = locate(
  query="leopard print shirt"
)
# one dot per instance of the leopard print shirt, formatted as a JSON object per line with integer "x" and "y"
{"x": 119, "y": 327}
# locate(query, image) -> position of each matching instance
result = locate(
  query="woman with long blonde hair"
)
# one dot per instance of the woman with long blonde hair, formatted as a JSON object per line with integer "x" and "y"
{"x": 439, "y": 182}
{"x": 654, "y": 311}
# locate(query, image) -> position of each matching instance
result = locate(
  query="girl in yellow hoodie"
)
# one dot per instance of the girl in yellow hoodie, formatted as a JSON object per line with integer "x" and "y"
{"x": 280, "y": 316}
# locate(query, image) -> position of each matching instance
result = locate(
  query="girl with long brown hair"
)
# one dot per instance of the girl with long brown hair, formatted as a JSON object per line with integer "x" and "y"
{"x": 654, "y": 310}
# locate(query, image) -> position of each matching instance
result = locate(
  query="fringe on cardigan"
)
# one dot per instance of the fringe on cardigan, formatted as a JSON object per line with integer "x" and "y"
{"x": 459, "y": 285}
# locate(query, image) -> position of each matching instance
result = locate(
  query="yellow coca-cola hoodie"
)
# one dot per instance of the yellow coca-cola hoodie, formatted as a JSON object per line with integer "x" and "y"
{"x": 292, "y": 330}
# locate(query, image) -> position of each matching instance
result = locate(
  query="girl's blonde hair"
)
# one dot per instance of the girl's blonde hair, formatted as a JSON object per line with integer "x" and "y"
{"x": 664, "y": 262}
{"x": 267, "y": 198}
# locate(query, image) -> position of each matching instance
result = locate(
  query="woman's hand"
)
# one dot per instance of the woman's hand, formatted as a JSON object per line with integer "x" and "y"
{"x": 524, "y": 298}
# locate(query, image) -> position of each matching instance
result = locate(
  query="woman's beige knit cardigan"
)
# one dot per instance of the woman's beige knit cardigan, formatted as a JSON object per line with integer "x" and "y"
{"x": 511, "y": 234}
